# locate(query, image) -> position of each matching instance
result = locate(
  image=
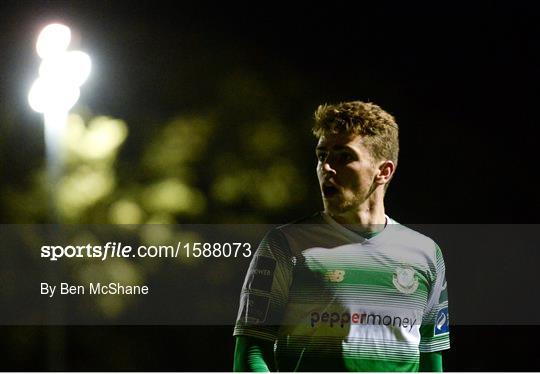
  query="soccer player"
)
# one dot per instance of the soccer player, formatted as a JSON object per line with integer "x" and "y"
{"x": 347, "y": 289}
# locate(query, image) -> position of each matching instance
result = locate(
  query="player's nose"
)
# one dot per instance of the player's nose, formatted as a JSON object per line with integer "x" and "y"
{"x": 328, "y": 169}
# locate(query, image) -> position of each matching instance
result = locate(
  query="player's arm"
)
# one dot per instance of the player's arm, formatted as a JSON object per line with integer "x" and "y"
{"x": 253, "y": 355}
{"x": 262, "y": 301}
{"x": 435, "y": 328}
{"x": 431, "y": 362}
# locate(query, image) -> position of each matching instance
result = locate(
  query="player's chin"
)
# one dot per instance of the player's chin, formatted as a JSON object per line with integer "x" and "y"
{"x": 334, "y": 205}
{"x": 331, "y": 201}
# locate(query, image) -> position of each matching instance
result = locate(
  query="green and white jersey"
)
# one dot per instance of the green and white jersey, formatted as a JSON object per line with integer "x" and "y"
{"x": 333, "y": 300}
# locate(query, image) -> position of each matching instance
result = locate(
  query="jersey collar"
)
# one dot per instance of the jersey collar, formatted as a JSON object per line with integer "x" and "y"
{"x": 353, "y": 235}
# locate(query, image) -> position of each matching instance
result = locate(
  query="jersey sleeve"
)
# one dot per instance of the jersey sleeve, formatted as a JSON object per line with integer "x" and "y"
{"x": 435, "y": 328}
{"x": 266, "y": 288}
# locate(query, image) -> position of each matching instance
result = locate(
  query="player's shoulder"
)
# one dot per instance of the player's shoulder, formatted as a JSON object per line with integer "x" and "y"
{"x": 409, "y": 237}
{"x": 302, "y": 227}
{"x": 314, "y": 218}
{"x": 308, "y": 221}
{"x": 298, "y": 231}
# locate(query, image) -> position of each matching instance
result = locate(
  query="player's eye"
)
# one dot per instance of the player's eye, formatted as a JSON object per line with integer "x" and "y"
{"x": 345, "y": 157}
{"x": 321, "y": 156}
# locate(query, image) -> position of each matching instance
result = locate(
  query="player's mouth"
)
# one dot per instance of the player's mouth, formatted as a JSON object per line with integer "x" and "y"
{"x": 329, "y": 190}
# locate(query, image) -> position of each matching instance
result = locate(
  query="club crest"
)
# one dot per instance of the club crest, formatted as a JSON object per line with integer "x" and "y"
{"x": 335, "y": 276}
{"x": 405, "y": 280}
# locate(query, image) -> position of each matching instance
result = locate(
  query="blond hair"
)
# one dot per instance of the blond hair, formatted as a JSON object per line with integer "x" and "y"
{"x": 378, "y": 128}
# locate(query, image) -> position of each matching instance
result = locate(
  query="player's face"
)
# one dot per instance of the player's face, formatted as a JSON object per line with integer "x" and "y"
{"x": 346, "y": 172}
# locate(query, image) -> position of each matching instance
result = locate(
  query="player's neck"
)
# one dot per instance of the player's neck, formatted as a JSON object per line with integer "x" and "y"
{"x": 370, "y": 216}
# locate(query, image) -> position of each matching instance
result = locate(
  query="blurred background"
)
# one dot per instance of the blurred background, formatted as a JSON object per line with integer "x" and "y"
{"x": 198, "y": 113}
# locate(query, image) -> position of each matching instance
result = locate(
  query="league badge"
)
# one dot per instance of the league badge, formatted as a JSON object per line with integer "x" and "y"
{"x": 443, "y": 323}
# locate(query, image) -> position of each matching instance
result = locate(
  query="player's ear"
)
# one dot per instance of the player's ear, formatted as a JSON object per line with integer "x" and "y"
{"x": 386, "y": 170}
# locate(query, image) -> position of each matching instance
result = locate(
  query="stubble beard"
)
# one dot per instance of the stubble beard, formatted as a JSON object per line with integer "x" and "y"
{"x": 343, "y": 205}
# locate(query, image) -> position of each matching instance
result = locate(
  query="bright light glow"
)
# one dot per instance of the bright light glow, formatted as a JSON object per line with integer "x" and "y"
{"x": 70, "y": 67}
{"x": 47, "y": 96}
{"x": 53, "y": 40}
{"x": 61, "y": 72}
{"x": 78, "y": 67}
{"x": 54, "y": 126}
